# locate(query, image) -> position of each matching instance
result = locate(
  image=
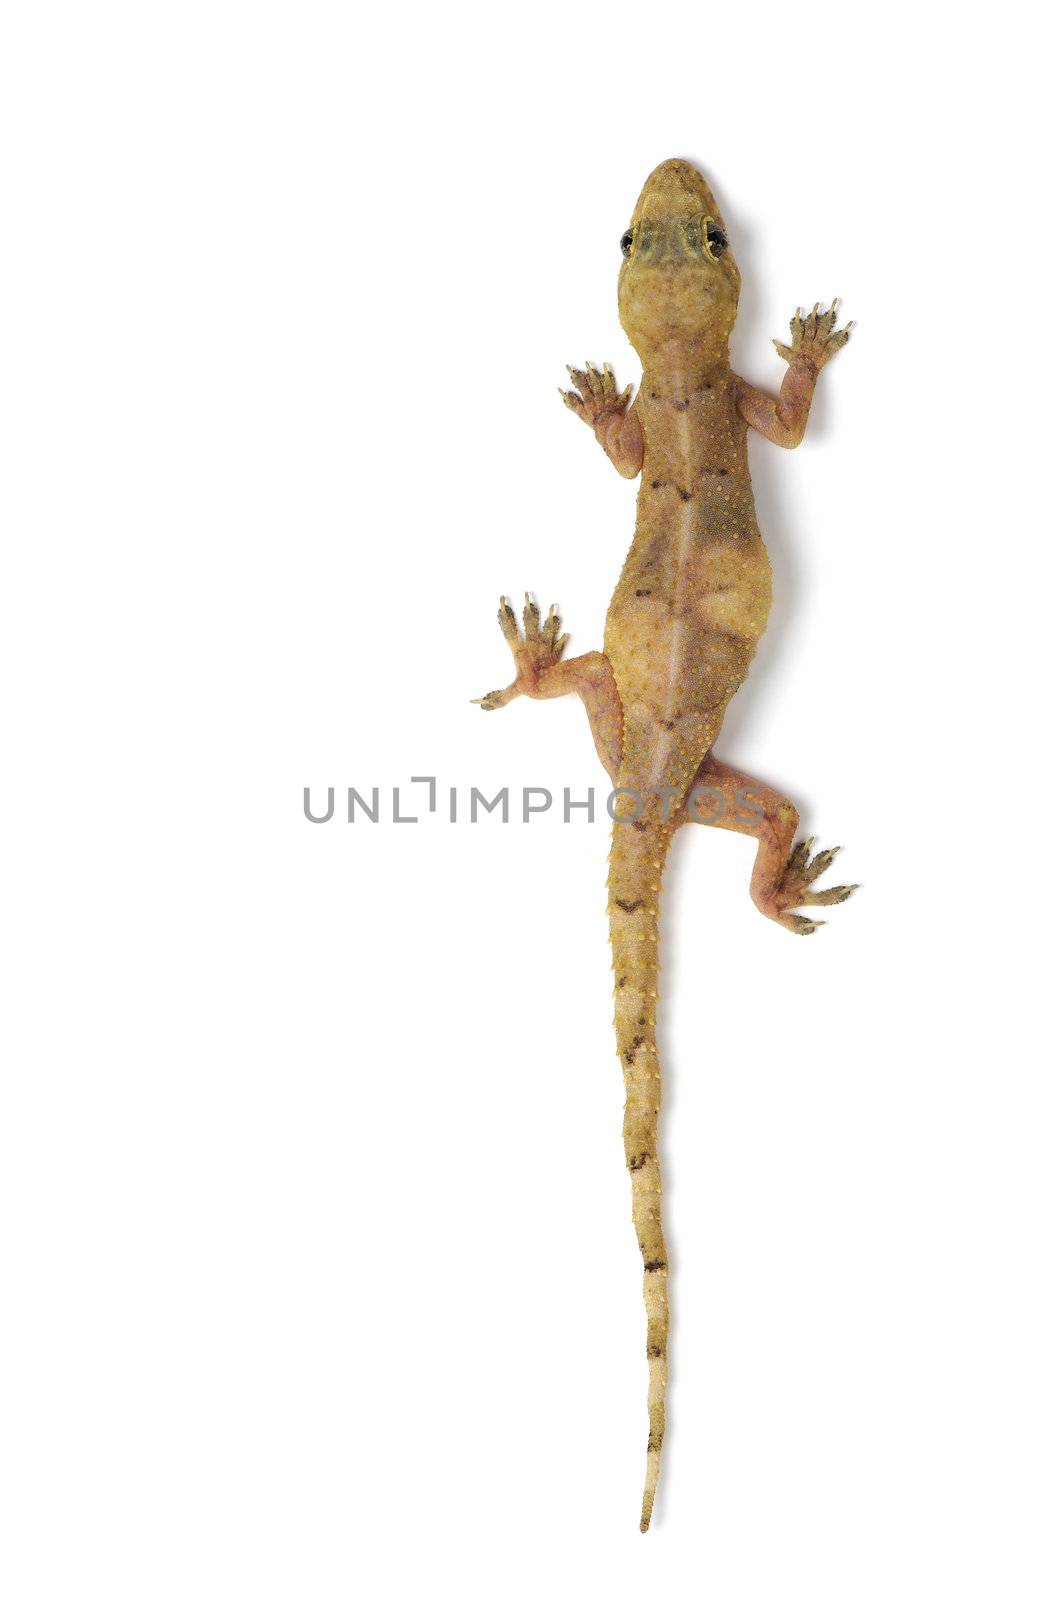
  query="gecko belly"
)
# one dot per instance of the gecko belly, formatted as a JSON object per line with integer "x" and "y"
{"x": 680, "y": 643}
{"x": 693, "y": 597}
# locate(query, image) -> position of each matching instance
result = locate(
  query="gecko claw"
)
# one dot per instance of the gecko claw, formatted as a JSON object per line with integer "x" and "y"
{"x": 795, "y": 887}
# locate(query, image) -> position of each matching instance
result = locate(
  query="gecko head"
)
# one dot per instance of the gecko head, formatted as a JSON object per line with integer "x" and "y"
{"x": 678, "y": 281}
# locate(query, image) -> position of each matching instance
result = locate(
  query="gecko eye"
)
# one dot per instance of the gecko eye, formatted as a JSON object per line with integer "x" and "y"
{"x": 626, "y": 242}
{"x": 716, "y": 242}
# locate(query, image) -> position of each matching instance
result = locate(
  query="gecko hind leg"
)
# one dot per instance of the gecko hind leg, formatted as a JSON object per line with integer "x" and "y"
{"x": 784, "y": 873}
{"x": 542, "y": 674}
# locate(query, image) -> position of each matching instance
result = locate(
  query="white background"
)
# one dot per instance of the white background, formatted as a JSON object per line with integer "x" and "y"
{"x": 317, "y": 1265}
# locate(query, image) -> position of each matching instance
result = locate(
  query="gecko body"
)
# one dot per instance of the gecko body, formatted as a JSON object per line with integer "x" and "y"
{"x": 690, "y": 605}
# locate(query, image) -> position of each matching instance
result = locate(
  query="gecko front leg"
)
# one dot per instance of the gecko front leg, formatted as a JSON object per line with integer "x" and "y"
{"x": 542, "y": 674}
{"x": 784, "y": 873}
{"x": 608, "y": 413}
{"x": 814, "y": 341}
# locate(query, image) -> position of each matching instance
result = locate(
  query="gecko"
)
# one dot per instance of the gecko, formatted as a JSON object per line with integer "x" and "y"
{"x": 682, "y": 628}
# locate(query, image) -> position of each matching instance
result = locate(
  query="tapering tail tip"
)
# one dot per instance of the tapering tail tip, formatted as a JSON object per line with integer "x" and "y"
{"x": 650, "y": 1485}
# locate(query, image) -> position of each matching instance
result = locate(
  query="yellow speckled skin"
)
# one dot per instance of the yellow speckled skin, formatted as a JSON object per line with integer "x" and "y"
{"x": 693, "y": 597}
{"x": 691, "y": 604}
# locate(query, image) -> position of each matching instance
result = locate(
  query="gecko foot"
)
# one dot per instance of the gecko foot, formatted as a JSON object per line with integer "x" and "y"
{"x": 795, "y": 888}
{"x": 814, "y": 337}
{"x": 596, "y": 399}
{"x": 536, "y": 648}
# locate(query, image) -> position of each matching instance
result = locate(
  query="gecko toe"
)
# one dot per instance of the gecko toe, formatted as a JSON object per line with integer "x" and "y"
{"x": 819, "y": 864}
{"x": 800, "y": 855}
{"x": 795, "y": 887}
{"x": 829, "y": 897}
{"x": 491, "y": 701}
{"x": 508, "y": 622}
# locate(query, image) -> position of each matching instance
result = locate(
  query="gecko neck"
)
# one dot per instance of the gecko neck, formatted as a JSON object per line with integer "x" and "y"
{"x": 675, "y": 369}
{"x": 684, "y": 407}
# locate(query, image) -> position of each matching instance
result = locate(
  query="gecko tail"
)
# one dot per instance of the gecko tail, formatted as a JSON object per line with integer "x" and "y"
{"x": 654, "y": 1467}
{"x": 637, "y": 858}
